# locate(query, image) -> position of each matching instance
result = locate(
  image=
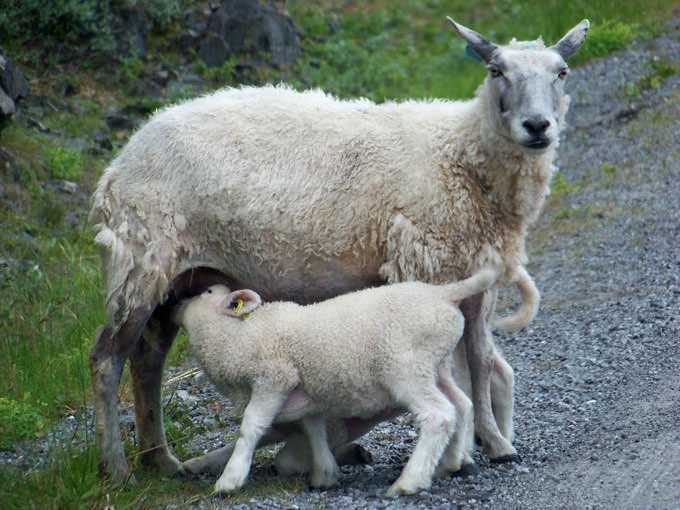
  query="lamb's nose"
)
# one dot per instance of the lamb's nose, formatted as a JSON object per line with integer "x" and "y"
{"x": 536, "y": 125}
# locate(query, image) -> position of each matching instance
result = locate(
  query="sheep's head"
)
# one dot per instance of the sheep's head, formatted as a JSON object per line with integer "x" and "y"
{"x": 525, "y": 84}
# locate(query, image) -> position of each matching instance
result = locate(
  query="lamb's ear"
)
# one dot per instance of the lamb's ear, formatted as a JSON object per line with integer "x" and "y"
{"x": 483, "y": 48}
{"x": 571, "y": 42}
{"x": 241, "y": 302}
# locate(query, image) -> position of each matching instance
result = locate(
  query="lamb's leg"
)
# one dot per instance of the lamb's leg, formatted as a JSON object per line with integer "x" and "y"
{"x": 257, "y": 417}
{"x": 107, "y": 360}
{"x": 458, "y": 454}
{"x": 325, "y": 471}
{"x": 146, "y": 367}
{"x": 215, "y": 461}
{"x": 437, "y": 418}
{"x": 502, "y": 396}
{"x": 480, "y": 357}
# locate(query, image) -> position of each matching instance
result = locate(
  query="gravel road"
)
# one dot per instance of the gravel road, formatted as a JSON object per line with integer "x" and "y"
{"x": 598, "y": 371}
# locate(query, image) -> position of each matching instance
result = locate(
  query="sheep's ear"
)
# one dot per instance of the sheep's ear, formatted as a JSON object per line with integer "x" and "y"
{"x": 241, "y": 302}
{"x": 571, "y": 42}
{"x": 483, "y": 48}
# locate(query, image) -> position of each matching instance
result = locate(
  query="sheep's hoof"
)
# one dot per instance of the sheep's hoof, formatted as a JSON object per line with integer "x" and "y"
{"x": 362, "y": 455}
{"x": 466, "y": 470}
{"x": 119, "y": 478}
{"x": 352, "y": 454}
{"x": 180, "y": 474}
{"x": 506, "y": 459}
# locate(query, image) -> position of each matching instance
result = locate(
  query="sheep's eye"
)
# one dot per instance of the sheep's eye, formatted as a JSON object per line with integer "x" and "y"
{"x": 563, "y": 73}
{"x": 209, "y": 291}
{"x": 494, "y": 71}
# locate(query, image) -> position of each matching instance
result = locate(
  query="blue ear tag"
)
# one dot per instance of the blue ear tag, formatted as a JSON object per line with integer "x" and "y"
{"x": 471, "y": 54}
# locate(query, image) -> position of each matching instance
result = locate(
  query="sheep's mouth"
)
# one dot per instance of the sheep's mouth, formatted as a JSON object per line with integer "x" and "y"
{"x": 537, "y": 144}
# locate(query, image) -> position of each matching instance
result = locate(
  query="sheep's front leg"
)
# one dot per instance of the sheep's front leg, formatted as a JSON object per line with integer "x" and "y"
{"x": 257, "y": 418}
{"x": 325, "y": 471}
{"x": 480, "y": 358}
{"x": 146, "y": 367}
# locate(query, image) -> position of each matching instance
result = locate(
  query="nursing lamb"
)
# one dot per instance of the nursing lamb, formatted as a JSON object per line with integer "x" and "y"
{"x": 284, "y": 362}
{"x": 303, "y": 197}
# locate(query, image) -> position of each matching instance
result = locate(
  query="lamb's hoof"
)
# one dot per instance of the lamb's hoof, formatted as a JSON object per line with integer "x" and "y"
{"x": 506, "y": 459}
{"x": 466, "y": 470}
{"x": 325, "y": 479}
{"x": 399, "y": 490}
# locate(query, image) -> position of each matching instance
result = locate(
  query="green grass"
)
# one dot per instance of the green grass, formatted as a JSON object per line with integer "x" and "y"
{"x": 403, "y": 49}
{"x": 50, "y": 278}
{"x": 48, "y": 314}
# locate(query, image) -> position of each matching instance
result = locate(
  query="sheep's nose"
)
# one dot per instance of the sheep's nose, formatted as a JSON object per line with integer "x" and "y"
{"x": 536, "y": 125}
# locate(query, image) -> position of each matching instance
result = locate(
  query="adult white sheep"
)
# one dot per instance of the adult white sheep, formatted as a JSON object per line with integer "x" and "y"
{"x": 284, "y": 363}
{"x": 302, "y": 197}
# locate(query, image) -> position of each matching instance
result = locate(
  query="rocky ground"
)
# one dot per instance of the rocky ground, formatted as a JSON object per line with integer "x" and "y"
{"x": 598, "y": 372}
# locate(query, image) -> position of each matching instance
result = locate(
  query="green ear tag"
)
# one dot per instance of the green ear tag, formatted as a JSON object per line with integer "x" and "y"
{"x": 238, "y": 305}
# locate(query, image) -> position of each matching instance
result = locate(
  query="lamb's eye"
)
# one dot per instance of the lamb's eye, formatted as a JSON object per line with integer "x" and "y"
{"x": 563, "y": 73}
{"x": 209, "y": 291}
{"x": 494, "y": 71}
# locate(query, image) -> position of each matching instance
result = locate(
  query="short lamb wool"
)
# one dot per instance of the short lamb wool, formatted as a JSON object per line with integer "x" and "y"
{"x": 355, "y": 355}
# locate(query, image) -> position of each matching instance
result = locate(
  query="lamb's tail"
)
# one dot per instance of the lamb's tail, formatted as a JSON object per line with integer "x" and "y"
{"x": 527, "y": 309}
{"x": 482, "y": 280}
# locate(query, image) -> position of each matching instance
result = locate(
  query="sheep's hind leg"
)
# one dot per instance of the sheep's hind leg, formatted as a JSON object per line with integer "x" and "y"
{"x": 146, "y": 367}
{"x": 502, "y": 396}
{"x": 480, "y": 358}
{"x": 107, "y": 359}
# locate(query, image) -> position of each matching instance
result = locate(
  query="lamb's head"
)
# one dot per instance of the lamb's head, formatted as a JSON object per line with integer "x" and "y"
{"x": 221, "y": 300}
{"x": 524, "y": 87}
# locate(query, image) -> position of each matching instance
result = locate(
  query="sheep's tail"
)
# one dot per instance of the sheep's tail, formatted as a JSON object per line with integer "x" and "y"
{"x": 527, "y": 309}
{"x": 483, "y": 280}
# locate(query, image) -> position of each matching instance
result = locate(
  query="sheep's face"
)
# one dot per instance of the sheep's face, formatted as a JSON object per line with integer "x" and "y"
{"x": 525, "y": 84}
{"x": 525, "y": 89}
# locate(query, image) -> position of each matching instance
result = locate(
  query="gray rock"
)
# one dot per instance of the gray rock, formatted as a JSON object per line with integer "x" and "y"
{"x": 12, "y": 79}
{"x": 249, "y": 27}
